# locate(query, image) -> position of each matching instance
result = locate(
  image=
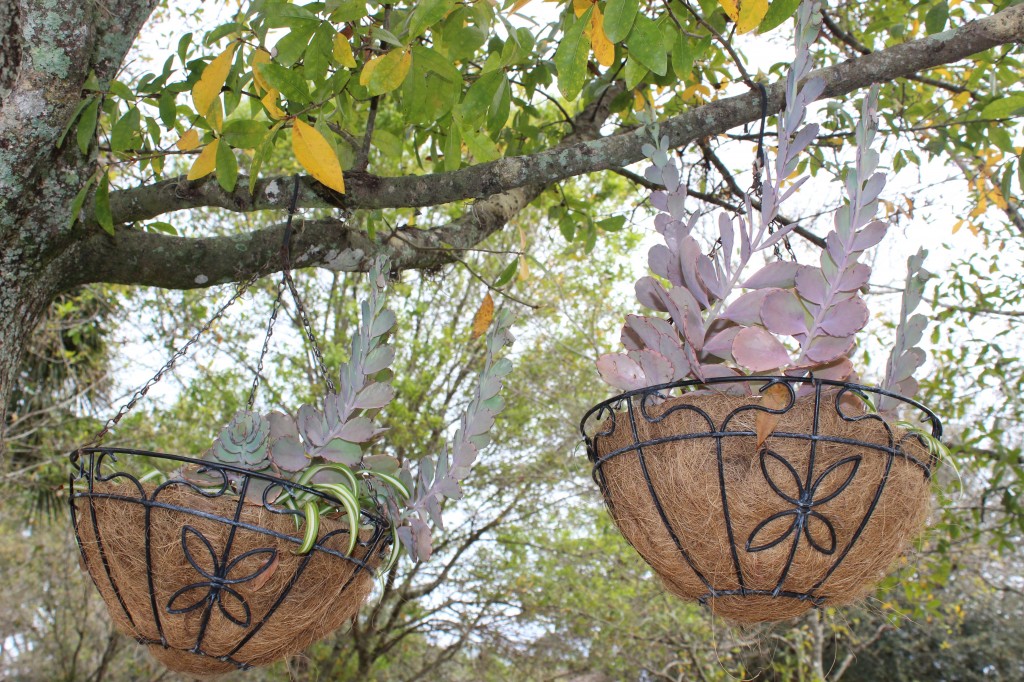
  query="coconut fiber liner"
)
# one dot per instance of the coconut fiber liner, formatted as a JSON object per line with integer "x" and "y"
{"x": 329, "y": 591}
{"x": 684, "y": 475}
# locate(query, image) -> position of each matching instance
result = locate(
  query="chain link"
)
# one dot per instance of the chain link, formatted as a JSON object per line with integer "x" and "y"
{"x": 169, "y": 365}
{"x": 266, "y": 345}
{"x": 310, "y": 334}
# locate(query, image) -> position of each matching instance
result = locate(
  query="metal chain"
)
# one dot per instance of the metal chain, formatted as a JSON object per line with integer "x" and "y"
{"x": 287, "y": 278}
{"x": 169, "y": 365}
{"x": 266, "y": 345}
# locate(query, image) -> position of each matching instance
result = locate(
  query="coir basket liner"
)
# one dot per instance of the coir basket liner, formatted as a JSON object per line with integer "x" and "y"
{"x": 814, "y": 517}
{"x": 211, "y": 583}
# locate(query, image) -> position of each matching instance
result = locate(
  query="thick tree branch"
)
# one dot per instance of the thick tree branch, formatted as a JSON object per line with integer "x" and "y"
{"x": 484, "y": 180}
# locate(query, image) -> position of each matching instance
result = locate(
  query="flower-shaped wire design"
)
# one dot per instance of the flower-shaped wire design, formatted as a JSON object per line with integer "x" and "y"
{"x": 217, "y": 585}
{"x": 804, "y": 502}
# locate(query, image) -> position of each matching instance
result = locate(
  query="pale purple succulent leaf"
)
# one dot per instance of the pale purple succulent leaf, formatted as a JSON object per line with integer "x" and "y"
{"x": 709, "y": 277}
{"x": 870, "y": 235}
{"x": 745, "y": 310}
{"x": 686, "y": 312}
{"x": 657, "y": 334}
{"x": 289, "y": 454}
{"x": 715, "y": 371}
{"x": 835, "y": 248}
{"x": 358, "y": 430}
{"x": 810, "y": 284}
{"x": 379, "y": 359}
{"x": 311, "y": 425}
{"x": 838, "y": 370}
{"x": 782, "y": 232}
{"x": 621, "y": 371}
{"x": 654, "y": 174}
{"x": 907, "y": 364}
{"x": 649, "y": 292}
{"x": 374, "y": 396}
{"x": 800, "y": 141}
{"x": 782, "y": 313}
{"x": 385, "y": 464}
{"x": 281, "y": 425}
{"x": 777, "y": 274}
{"x": 826, "y": 349}
{"x": 383, "y": 324}
{"x": 670, "y": 177}
{"x": 759, "y": 351}
{"x": 908, "y": 387}
{"x": 845, "y": 318}
{"x": 872, "y": 188}
{"x": 481, "y": 423}
{"x": 720, "y": 345}
{"x": 677, "y": 205}
{"x": 688, "y": 254}
{"x": 854, "y": 277}
{"x": 913, "y": 330}
{"x": 659, "y": 200}
{"x": 663, "y": 263}
{"x": 656, "y": 367}
{"x": 341, "y": 451}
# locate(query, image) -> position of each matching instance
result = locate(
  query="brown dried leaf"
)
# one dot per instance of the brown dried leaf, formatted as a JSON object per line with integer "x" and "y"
{"x": 483, "y": 317}
{"x": 261, "y": 580}
{"x": 775, "y": 397}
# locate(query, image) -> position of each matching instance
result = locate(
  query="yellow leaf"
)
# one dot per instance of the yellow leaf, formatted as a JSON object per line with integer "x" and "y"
{"x": 958, "y": 225}
{"x": 188, "y": 141}
{"x": 386, "y": 73}
{"x": 776, "y": 397}
{"x": 581, "y": 6}
{"x": 259, "y": 57}
{"x": 639, "y": 100}
{"x": 731, "y": 8}
{"x": 270, "y": 102}
{"x": 215, "y": 116}
{"x": 343, "y": 51}
{"x": 212, "y": 81}
{"x": 524, "y": 269}
{"x": 750, "y": 15}
{"x": 205, "y": 163}
{"x": 518, "y": 6}
{"x": 483, "y": 317}
{"x": 746, "y": 13}
{"x": 604, "y": 49}
{"x": 317, "y": 156}
{"x": 694, "y": 93}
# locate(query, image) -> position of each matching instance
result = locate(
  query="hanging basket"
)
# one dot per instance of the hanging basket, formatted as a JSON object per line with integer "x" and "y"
{"x": 814, "y": 517}
{"x": 210, "y": 581}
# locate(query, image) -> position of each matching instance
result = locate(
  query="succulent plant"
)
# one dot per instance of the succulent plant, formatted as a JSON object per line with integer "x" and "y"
{"x": 326, "y": 448}
{"x": 785, "y": 317}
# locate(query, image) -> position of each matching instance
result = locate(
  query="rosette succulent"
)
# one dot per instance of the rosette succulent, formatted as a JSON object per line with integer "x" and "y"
{"x": 327, "y": 449}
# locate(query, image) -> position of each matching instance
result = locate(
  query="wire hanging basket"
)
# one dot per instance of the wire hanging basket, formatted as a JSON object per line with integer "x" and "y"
{"x": 813, "y": 517}
{"x": 208, "y": 580}
{"x": 209, "y": 564}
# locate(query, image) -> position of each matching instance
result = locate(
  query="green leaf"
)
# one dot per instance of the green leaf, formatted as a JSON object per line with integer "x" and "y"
{"x": 507, "y": 274}
{"x": 79, "y": 201}
{"x": 86, "y": 132}
{"x": 262, "y": 151}
{"x": 618, "y": 18}
{"x": 244, "y": 134}
{"x": 347, "y": 10}
{"x": 319, "y": 54}
{"x": 102, "y": 205}
{"x": 481, "y": 147}
{"x": 427, "y": 14}
{"x": 501, "y": 105}
{"x": 778, "y": 12}
{"x": 1003, "y": 107}
{"x": 571, "y": 56}
{"x": 646, "y": 45}
{"x": 388, "y": 72}
{"x": 385, "y": 36}
{"x": 227, "y": 167}
{"x": 71, "y": 121}
{"x": 289, "y": 82}
{"x": 432, "y": 89}
{"x": 453, "y": 148}
{"x": 291, "y": 48}
{"x": 682, "y": 56}
{"x": 936, "y": 17}
{"x": 124, "y": 132}
{"x": 613, "y": 224}
{"x": 160, "y": 226}
{"x": 479, "y": 97}
{"x": 168, "y": 109}
{"x": 121, "y": 90}
{"x": 634, "y": 72}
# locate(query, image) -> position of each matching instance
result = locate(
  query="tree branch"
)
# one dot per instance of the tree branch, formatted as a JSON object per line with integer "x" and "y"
{"x": 543, "y": 168}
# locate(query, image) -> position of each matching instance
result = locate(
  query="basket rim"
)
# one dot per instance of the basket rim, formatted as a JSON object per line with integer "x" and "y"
{"x": 768, "y": 380}
{"x": 84, "y": 470}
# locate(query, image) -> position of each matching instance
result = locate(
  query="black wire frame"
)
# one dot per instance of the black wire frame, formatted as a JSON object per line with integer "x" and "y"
{"x": 827, "y": 394}
{"x": 102, "y": 465}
